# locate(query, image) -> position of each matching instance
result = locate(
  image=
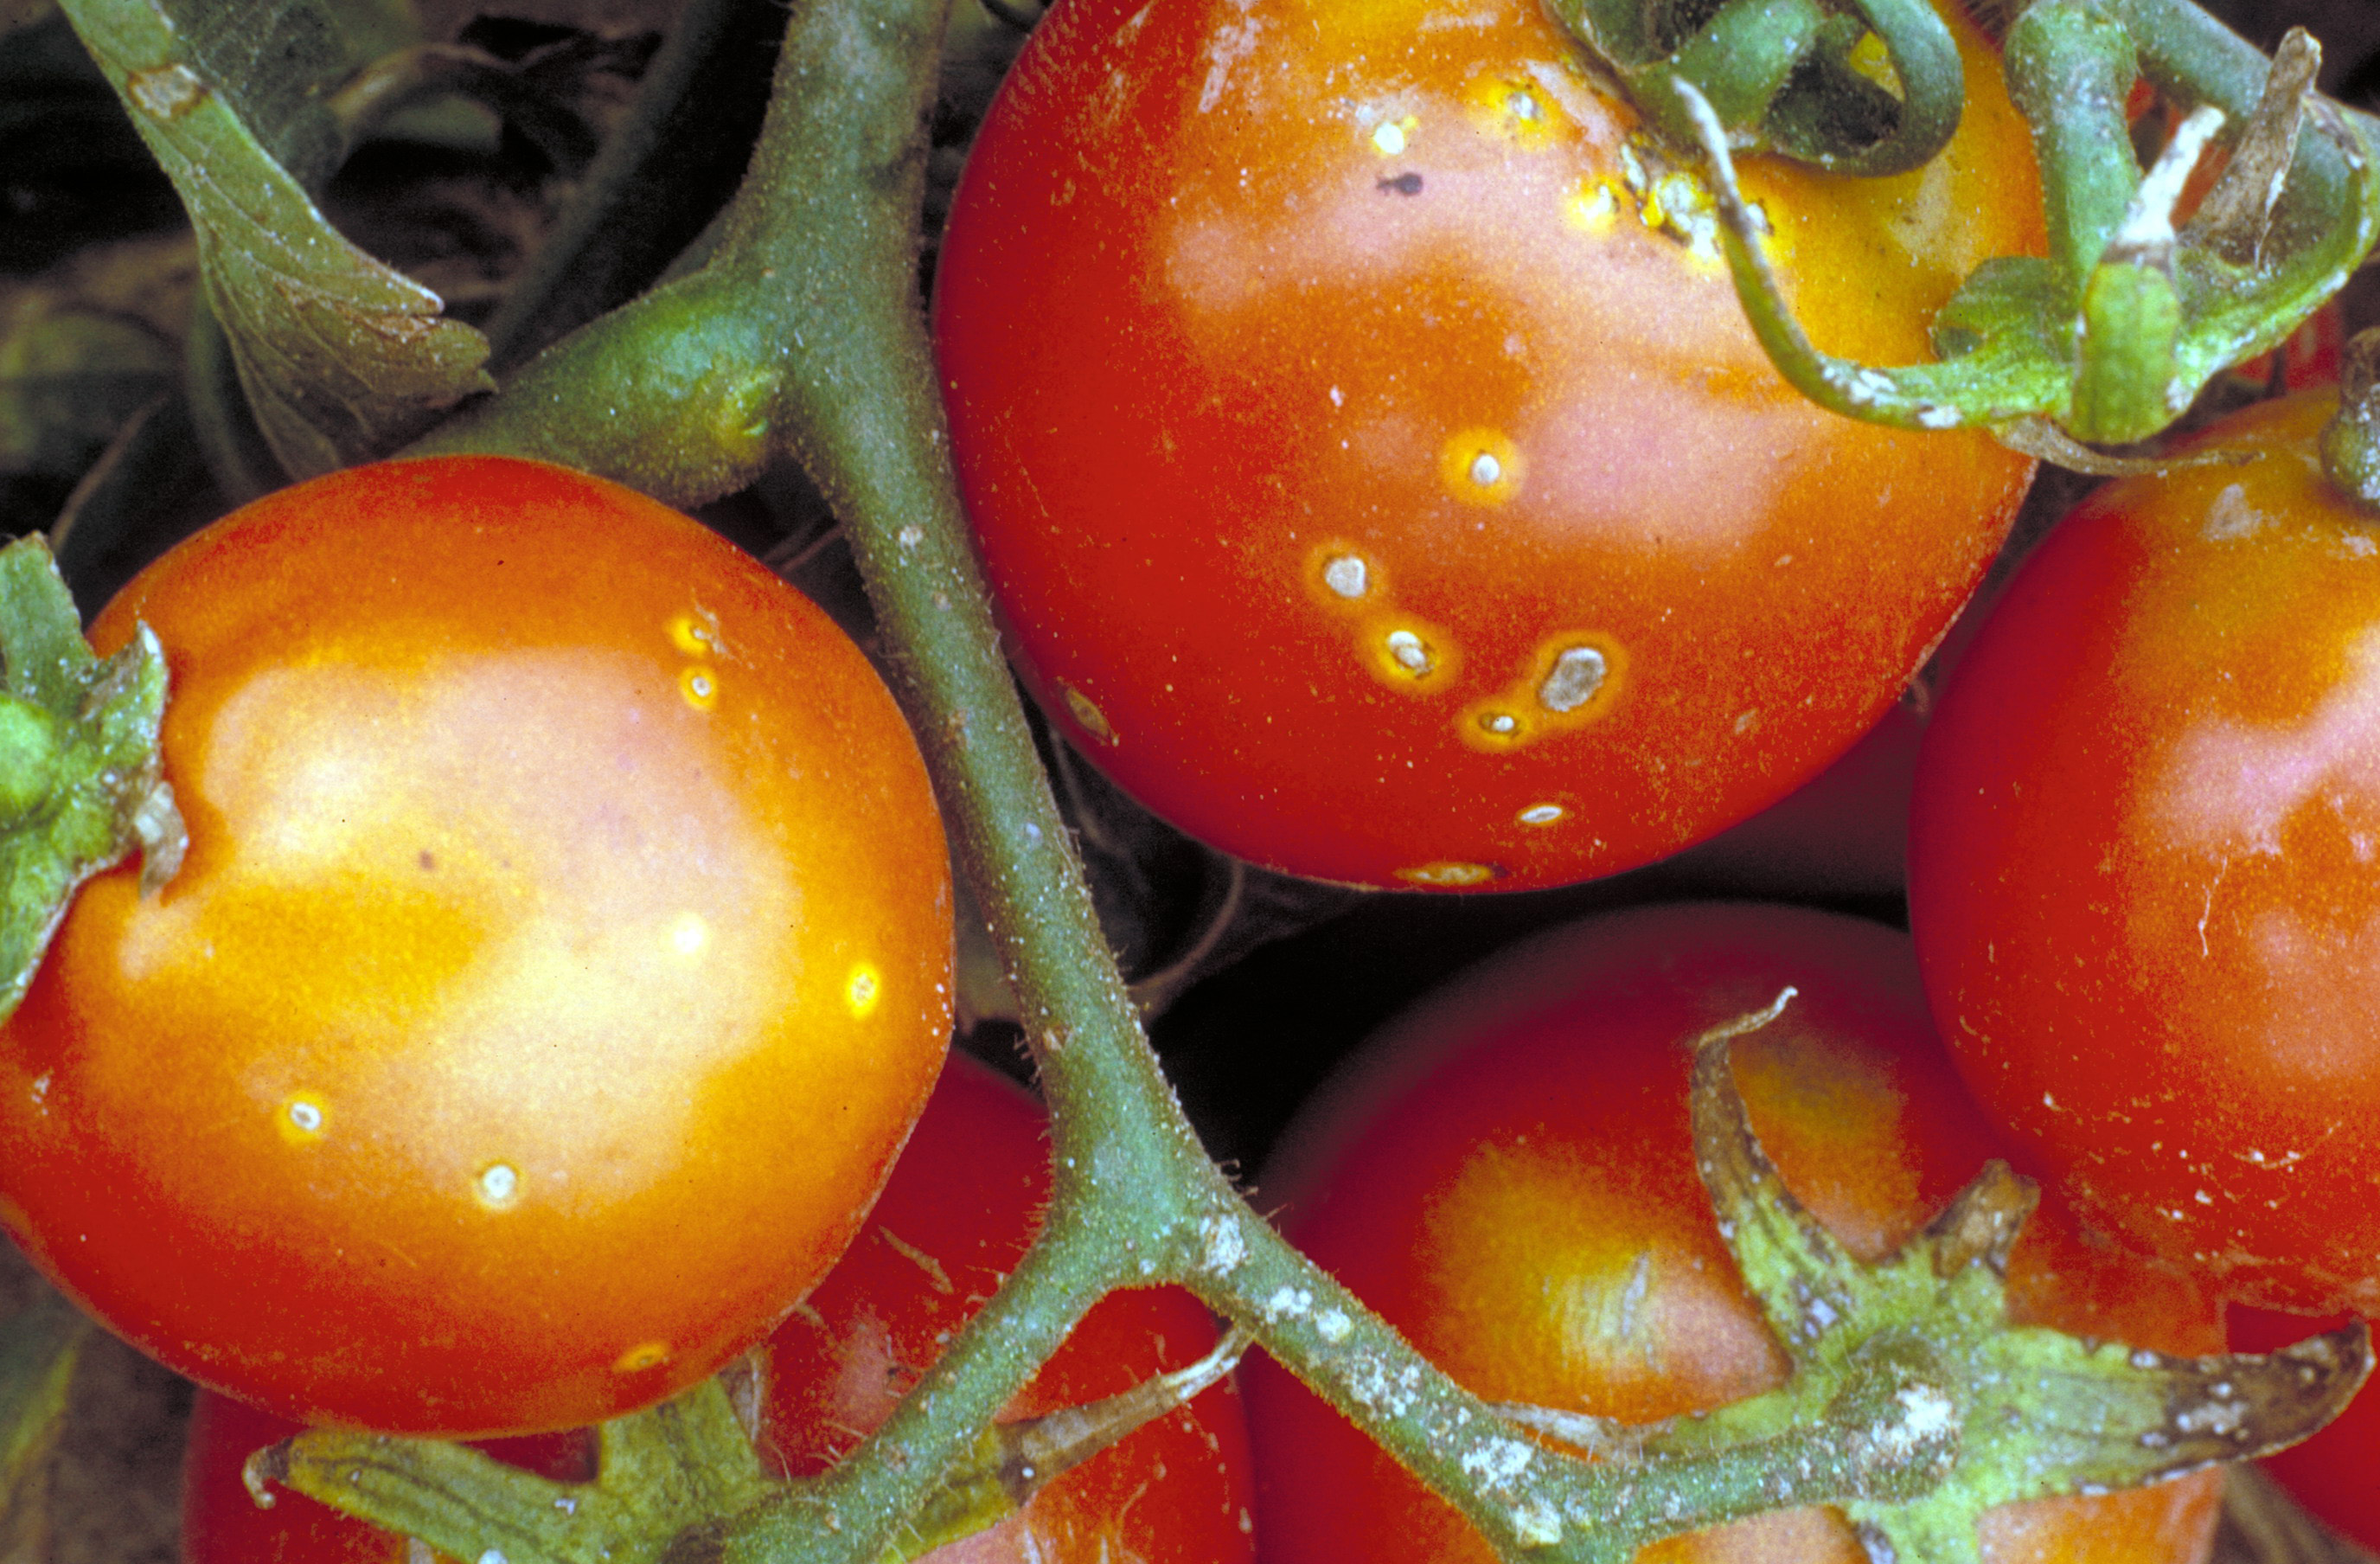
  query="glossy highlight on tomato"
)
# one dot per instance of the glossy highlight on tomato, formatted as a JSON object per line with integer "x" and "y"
{"x": 1507, "y": 1176}
{"x": 1370, "y": 459}
{"x": 963, "y": 1204}
{"x": 562, "y": 956}
{"x": 2141, "y": 866}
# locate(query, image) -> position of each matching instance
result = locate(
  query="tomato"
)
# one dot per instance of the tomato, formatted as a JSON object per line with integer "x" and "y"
{"x": 2142, "y": 867}
{"x": 562, "y": 956}
{"x": 1508, "y": 1178}
{"x": 222, "y": 1524}
{"x": 1370, "y": 459}
{"x": 963, "y": 1204}
{"x": 1845, "y": 832}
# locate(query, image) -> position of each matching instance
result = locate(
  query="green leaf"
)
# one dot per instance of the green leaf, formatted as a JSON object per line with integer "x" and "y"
{"x": 70, "y": 378}
{"x": 81, "y": 783}
{"x": 343, "y": 358}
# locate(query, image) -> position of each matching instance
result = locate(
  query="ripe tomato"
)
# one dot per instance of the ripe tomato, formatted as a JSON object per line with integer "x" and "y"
{"x": 963, "y": 1204}
{"x": 562, "y": 956}
{"x": 222, "y": 1524}
{"x": 1509, "y": 1179}
{"x": 1374, "y": 469}
{"x": 2141, "y": 866}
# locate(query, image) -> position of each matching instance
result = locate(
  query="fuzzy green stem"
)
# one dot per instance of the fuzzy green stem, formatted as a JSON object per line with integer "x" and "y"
{"x": 861, "y": 1507}
{"x": 2068, "y": 70}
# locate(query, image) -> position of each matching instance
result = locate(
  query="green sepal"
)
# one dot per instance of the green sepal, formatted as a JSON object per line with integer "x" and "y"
{"x": 2127, "y": 381}
{"x": 680, "y": 1466}
{"x": 1915, "y": 1359}
{"x": 343, "y": 358}
{"x": 78, "y": 735}
{"x": 670, "y": 1477}
{"x": 2114, "y": 338}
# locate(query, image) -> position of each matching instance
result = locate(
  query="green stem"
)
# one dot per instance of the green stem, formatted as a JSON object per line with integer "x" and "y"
{"x": 859, "y": 1509}
{"x": 2070, "y": 69}
{"x": 802, "y": 335}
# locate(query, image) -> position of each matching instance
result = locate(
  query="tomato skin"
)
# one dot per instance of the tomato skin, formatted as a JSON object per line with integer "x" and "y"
{"x": 1508, "y": 1179}
{"x": 1302, "y": 465}
{"x": 555, "y": 872}
{"x": 2140, "y": 877}
{"x": 962, "y": 1205}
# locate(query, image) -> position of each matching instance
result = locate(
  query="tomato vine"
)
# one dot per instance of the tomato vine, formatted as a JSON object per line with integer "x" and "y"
{"x": 796, "y": 333}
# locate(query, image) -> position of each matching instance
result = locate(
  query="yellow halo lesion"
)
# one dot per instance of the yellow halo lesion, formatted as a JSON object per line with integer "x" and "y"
{"x": 1512, "y": 109}
{"x": 303, "y": 1118}
{"x": 696, "y": 634}
{"x": 1480, "y": 466}
{"x": 1408, "y": 654}
{"x": 700, "y": 686}
{"x": 863, "y": 990}
{"x": 1448, "y": 875}
{"x": 644, "y": 1356}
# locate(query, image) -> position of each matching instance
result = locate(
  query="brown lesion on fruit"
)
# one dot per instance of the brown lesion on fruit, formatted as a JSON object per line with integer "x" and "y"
{"x": 1446, "y": 875}
{"x": 1573, "y": 679}
{"x": 1675, "y": 201}
{"x": 1408, "y": 654}
{"x": 1511, "y": 108}
{"x": 1339, "y": 575}
{"x": 1094, "y": 721}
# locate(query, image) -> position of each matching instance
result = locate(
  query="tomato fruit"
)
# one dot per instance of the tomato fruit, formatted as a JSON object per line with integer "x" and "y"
{"x": 964, "y": 1203}
{"x": 562, "y": 955}
{"x": 222, "y": 1524}
{"x": 1370, "y": 459}
{"x": 961, "y": 1206}
{"x": 1508, "y": 1178}
{"x": 2141, "y": 866}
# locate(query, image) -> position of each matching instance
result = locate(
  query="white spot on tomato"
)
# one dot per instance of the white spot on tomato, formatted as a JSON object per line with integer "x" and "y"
{"x": 499, "y": 1183}
{"x": 1576, "y": 677}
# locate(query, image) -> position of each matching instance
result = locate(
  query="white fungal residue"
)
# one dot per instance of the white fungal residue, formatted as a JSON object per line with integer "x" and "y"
{"x": 1577, "y": 674}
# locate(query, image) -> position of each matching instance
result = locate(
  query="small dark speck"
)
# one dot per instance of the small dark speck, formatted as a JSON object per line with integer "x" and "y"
{"x": 426, "y": 860}
{"x": 1404, "y": 184}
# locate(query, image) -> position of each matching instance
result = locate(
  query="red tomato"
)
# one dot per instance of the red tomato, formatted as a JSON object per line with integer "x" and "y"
{"x": 2142, "y": 867}
{"x": 962, "y": 1206}
{"x": 1845, "y": 832}
{"x": 1373, "y": 466}
{"x": 222, "y": 1524}
{"x": 960, "y": 1209}
{"x": 562, "y": 956}
{"x": 1509, "y": 1179}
